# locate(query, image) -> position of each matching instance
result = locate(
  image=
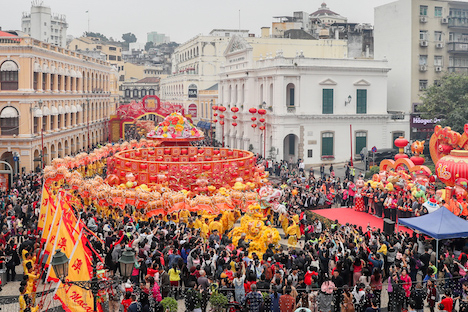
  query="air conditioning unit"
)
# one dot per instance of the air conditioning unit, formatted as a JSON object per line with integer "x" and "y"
{"x": 423, "y": 43}
{"x": 444, "y": 20}
{"x": 439, "y": 45}
{"x": 438, "y": 68}
{"x": 423, "y": 19}
{"x": 422, "y": 68}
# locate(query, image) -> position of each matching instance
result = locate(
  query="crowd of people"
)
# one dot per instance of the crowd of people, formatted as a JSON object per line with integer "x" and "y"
{"x": 337, "y": 267}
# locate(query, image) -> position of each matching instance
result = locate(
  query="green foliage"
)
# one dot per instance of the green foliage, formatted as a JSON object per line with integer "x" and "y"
{"x": 218, "y": 301}
{"x": 372, "y": 171}
{"x": 149, "y": 45}
{"x": 169, "y": 304}
{"x": 448, "y": 101}
{"x": 326, "y": 223}
{"x": 129, "y": 37}
{"x": 96, "y": 35}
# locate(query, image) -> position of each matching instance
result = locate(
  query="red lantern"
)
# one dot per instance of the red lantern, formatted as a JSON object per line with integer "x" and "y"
{"x": 143, "y": 166}
{"x": 184, "y": 151}
{"x": 201, "y": 150}
{"x": 215, "y": 114}
{"x": 234, "y": 117}
{"x": 215, "y": 120}
{"x": 234, "y": 124}
{"x": 175, "y": 159}
{"x": 162, "y": 167}
{"x": 230, "y": 153}
{"x": 452, "y": 167}
{"x": 254, "y": 126}
{"x": 167, "y": 151}
{"x": 206, "y": 167}
{"x": 137, "y": 154}
{"x": 128, "y": 164}
{"x": 221, "y": 116}
{"x": 262, "y": 111}
{"x": 221, "y": 122}
{"x": 234, "y": 109}
{"x": 191, "y": 158}
{"x": 261, "y": 127}
{"x": 253, "y": 118}
{"x": 221, "y": 108}
{"x": 151, "y": 152}
{"x": 417, "y": 160}
{"x": 262, "y": 120}
{"x": 215, "y": 107}
{"x": 253, "y": 110}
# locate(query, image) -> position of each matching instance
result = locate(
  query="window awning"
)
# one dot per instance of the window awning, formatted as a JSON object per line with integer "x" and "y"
{"x": 67, "y": 109}
{"x": 53, "y": 70}
{"x": 9, "y": 66}
{"x": 79, "y": 74}
{"x": 79, "y": 108}
{"x": 37, "y": 112}
{"x": 45, "y": 111}
{"x": 37, "y": 68}
{"x": 73, "y": 109}
{"x": 54, "y": 111}
{"x": 61, "y": 110}
{"x": 73, "y": 73}
{"x": 9, "y": 112}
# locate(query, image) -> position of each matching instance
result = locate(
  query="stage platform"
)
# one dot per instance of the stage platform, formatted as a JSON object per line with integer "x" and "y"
{"x": 351, "y": 216}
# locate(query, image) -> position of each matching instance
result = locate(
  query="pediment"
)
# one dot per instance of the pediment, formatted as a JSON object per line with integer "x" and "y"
{"x": 362, "y": 83}
{"x": 328, "y": 82}
{"x": 237, "y": 44}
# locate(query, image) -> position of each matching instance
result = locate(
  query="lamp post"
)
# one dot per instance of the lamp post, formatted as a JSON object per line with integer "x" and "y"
{"x": 87, "y": 117}
{"x": 60, "y": 263}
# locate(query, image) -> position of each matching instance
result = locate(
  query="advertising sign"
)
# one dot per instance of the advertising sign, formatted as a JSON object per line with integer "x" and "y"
{"x": 192, "y": 110}
{"x": 192, "y": 91}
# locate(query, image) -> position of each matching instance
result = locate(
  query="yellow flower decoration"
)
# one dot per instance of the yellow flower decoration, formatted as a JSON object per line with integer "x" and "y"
{"x": 165, "y": 135}
{"x": 192, "y": 133}
{"x": 165, "y": 128}
{"x": 179, "y": 127}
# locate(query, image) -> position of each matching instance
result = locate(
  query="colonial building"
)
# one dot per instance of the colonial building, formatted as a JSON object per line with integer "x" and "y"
{"x": 53, "y": 102}
{"x": 318, "y": 109}
{"x": 196, "y": 63}
{"x": 137, "y": 90}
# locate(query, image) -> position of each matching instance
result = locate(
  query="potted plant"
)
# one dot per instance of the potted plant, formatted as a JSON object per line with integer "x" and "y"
{"x": 218, "y": 301}
{"x": 169, "y": 304}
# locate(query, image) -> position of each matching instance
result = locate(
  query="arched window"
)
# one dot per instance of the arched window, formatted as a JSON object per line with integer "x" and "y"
{"x": 143, "y": 92}
{"x": 9, "y": 121}
{"x": 127, "y": 93}
{"x": 290, "y": 94}
{"x": 135, "y": 93}
{"x": 9, "y": 76}
{"x": 151, "y": 91}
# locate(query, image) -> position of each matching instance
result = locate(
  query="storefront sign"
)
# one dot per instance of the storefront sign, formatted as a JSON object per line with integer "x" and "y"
{"x": 192, "y": 110}
{"x": 423, "y": 123}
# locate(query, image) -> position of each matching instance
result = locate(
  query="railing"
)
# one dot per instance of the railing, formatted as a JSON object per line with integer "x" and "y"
{"x": 458, "y": 47}
{"x": 458, "y": 69}
{"x": 461, "y": 22}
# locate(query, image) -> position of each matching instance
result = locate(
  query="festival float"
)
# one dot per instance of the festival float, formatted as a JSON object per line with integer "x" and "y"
{"x": 165, "y": 173}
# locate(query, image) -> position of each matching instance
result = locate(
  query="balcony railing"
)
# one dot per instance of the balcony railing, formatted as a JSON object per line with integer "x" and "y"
{"x": 457, "y": 47}
{"x": 458, "y": 22}
{"x": 458, "y": 69}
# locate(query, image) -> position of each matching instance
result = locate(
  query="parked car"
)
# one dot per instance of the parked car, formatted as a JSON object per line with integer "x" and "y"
{"x": 381, "y": 154}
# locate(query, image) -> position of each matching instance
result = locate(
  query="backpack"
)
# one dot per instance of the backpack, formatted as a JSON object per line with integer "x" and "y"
{"x": 208, "y": 268}
{"x": 419, "y": 264}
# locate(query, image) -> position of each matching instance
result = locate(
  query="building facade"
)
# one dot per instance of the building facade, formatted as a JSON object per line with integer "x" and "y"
{"x": 53, "y": 101}
{"x": 157, "y": 38}
{"x": 422, "y": 40}
{"x": 135, "y": 91}
{"x": 312, "y": 105}
{"x": 111, "y": 53}
{"x": 42, "y": 25}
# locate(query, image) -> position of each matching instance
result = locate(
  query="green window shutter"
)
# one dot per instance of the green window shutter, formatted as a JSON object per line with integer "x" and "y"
{"x": 291, "y": 97}
{"x": 361, "y": 103}
{"x": 327, "y": 144}
{"x": 361, "y": 141}
{"x": 327, "y": 101}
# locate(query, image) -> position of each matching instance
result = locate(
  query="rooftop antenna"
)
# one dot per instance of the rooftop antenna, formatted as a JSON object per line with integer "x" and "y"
{"x": 239, "y": 22}
{"x": 87, "y": 12}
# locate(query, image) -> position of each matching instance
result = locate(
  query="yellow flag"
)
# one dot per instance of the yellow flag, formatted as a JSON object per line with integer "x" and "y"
{"x": 50, "y": 230}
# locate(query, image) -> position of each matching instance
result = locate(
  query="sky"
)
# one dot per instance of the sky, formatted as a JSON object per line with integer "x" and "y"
{"x": 179, "y": 19}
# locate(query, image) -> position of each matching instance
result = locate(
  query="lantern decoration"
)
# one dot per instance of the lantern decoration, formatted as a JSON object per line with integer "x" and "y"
{"x": 253, "y": 119}
{"x": 262, "y": 120}
{"x": 215, "y": 120}
{"x": 417, "y": 148}
{"x": 254, "y": 126}
{"x": 221, "y": 122}
{"x": 221, "y": 108}
{"x": 221, "y": 116}
{"x": 261, "y": 128}
{"x": 253, "y": 110}
{"x": 215, "y": 114}
{"x": 234, "y": 117}
{"x": 452, "y": 167}
{"x": 234, "y": 124}
{"x": 262, "y": 111}
{"x": 234, "y": 109}
{"x": 215, "y": 107}
{"x": 401, "y": 142}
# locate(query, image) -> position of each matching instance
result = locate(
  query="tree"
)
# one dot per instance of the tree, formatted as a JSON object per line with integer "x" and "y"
{"x": 129, "y": 37}
{"x": 149, "y": 45}
{"x": 448, "y": 101}
{"x": 96, "y": 35}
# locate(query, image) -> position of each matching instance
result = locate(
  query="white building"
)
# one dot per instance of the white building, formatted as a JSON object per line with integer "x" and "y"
{"x": 311, "y": 104}
{"x": 42, "y": 25}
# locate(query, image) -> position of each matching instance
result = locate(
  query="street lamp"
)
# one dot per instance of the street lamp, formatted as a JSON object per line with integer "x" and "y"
{"x": 60, "y": 263}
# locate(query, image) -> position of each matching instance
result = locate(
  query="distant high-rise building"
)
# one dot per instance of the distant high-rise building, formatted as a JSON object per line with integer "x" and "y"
{"x": 41, "y": 24}
{"x": 156, "y": 38}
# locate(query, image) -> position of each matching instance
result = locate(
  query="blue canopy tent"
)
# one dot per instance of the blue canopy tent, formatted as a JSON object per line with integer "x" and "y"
{"x": 440, "y": 224}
